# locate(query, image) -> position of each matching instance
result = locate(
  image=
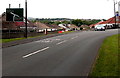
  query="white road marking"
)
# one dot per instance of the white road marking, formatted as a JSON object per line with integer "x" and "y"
{"x": 47, "y": 40}
{"x": 61, "y": 42}
{"x": 35, "y": 52}
{"x": 74, "y": 37}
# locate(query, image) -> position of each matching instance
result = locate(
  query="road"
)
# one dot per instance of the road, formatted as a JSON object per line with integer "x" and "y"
{"x": 65, "y": 55}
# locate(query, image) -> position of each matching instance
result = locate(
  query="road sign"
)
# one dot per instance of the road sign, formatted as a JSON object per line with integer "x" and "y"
{"x": 14, "y": 14}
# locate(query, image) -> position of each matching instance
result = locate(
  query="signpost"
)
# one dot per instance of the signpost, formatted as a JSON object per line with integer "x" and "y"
{"x": 14, "y": 14}
{"x": 119, "y": 12}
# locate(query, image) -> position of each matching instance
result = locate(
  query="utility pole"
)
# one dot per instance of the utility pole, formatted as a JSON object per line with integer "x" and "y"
{"x": 119, "y": 13}
{"x": 115, "y": 13}
{"x": 25, "y": 18}
{"x": 9, "y": 23}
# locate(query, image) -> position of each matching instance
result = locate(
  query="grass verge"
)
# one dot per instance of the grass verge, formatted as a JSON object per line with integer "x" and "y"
{"x": 107, "y": 61}
{"x": 9, "y": 40}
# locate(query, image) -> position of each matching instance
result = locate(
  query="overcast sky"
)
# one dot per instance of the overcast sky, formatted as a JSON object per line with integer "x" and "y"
{"x": 81, "y": 9}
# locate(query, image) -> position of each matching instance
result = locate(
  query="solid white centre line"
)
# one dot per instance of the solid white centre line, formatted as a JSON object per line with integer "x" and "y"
{"x": 61, "y": 42}
{"x": 35, "y": 52}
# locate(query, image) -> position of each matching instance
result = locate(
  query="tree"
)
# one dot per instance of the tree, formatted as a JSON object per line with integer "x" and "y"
{"x": 66, "y": 22}
{"x": 77, "y": 22}
{"x": 57, "y": 22}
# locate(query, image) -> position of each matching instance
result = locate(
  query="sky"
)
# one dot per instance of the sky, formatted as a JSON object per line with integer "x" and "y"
{"x": 74, "y": 9}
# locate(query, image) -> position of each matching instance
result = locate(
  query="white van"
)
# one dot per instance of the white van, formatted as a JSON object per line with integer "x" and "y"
{"x": 100, "y": 27}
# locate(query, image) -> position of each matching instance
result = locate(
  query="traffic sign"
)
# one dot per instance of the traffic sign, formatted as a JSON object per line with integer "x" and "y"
{"x": 14, "y": 14}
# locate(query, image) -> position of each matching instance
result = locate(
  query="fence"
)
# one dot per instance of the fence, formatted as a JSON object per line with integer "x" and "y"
{"x": 6, "y": 34}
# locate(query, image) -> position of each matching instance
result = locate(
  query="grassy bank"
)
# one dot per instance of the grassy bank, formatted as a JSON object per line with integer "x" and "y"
{"x": 107, "y": 61}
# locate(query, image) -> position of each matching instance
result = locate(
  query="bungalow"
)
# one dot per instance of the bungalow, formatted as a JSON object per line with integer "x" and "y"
{"x": 53, "y": 27}
{"x": 64, "y": 26}
{"x": 110, "y": 23}
{"x": 93, "y": 25}
{"x": 41, "y": 27}
{"x": 73, "y": 27}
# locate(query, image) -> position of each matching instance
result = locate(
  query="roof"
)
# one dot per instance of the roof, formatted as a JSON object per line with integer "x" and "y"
{"x": 72, "y": 26}
{"x": 92, "y": 25}
{"x": 111, "y": 21}
{"x": 41, "y": 25}
{"x": 53, "y": 26}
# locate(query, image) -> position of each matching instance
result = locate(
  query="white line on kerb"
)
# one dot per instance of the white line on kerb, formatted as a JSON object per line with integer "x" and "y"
{"x": 61, "y": 42}
{"x": 35, "y": 52}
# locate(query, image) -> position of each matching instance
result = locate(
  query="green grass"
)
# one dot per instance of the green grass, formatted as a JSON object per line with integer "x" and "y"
{"x": 8, "y": 40}
{"x": 107, "y": 61}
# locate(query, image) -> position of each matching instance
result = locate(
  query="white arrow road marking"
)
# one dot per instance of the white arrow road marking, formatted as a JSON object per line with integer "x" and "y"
{"x": 47, "y": 40}
{"x": 35, "y": 52}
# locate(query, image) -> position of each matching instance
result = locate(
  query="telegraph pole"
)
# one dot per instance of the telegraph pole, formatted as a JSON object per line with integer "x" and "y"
{"x": 119, "y": 14}
{"x": 9, "y": 23}
{"x": 115, "y": 13}
{"x": 25, "y": 18}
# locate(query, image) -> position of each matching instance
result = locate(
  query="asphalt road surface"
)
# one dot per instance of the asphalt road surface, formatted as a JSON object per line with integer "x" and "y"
{"x": 65, "y": 55}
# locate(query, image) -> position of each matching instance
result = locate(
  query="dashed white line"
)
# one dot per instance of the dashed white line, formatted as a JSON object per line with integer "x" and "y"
{"x": 35, "y": 52}
{"x": 61, "y": 42}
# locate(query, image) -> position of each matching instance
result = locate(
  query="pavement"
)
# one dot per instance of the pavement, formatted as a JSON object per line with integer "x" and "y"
{"x": 64, "y": 55}
{"x": 27, "y": 40}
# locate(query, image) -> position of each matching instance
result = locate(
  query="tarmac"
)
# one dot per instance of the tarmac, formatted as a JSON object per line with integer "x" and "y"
{"x": 27, "y": 40}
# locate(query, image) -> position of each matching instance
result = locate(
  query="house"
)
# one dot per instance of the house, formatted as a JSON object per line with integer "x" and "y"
{"x": 73, "y": 27}
{"x": 7, "y": 25}
{"x": 93, "y": 25}
{"x": 41, "y": 27}
{"x": 110, "y": 23}
{"x": 64, "y": 27}
{"x": 53, "y": 27}
{"x": 85, "y": 27}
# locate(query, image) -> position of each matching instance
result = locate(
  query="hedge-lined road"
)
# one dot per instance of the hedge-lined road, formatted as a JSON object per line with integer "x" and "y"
{"x": 65, "y": 55}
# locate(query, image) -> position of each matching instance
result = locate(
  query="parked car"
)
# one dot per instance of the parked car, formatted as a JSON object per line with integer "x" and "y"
{"x": 99, "y": 28}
